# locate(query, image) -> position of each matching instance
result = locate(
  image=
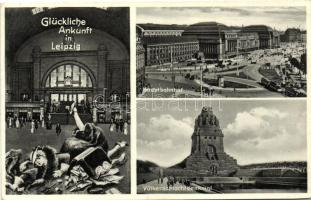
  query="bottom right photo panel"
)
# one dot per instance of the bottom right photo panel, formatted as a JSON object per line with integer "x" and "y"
{"x": 221, "y": 146}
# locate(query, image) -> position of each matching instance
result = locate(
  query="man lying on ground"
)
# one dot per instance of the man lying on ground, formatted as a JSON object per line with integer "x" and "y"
{"x": 44, "y": 163}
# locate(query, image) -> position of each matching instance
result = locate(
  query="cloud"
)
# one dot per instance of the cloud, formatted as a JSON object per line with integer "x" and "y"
{"x": 231, "y": 16}
{"x": 164, "y": 139}
{"x": 261, "y": 135}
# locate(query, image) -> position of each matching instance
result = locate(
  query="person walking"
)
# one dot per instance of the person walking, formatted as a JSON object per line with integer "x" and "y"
{"x": 32, "y": 129}
{"x": 58, "y": 129}
{"x": 17, "y": 124}
{"x": 14, "y": 122}
{"x": 10, "y": 122}
{"x": 42, "y": 122}
{"x": 112, "y": 125}
{"x": 36, "y": 124}
{"x": 121, "y": 125}
{"x": 125, "y": 127}
{"x": 117, "y": 123}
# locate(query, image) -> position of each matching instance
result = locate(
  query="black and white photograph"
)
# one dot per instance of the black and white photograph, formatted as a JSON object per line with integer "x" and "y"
{"x": 218, "y": 52}
{"x": 67, "y": 96}
{"x": 221, "y": 147}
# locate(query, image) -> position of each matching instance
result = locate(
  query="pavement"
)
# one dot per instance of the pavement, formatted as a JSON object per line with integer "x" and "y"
{"x": 252, "y": 70}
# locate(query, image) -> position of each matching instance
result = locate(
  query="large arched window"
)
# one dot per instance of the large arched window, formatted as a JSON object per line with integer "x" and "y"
{"x": 68, "y": 76}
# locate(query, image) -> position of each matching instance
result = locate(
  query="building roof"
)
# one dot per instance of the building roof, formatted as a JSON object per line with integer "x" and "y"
{"x": 257, "y": 28}
{"x": 167, "y": 40}
{"x": 151, "y": 26}
{"x": 292, "y": 30}
{"x": 264, "y": 32}
{"x": 206, "y": 27}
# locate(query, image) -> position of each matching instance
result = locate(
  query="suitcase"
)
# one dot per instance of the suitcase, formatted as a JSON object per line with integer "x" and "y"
{"x": 90, "y": 159}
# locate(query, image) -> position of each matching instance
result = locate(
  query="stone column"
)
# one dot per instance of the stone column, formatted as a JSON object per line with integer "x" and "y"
{"x": 36, "y": 57}
{"x": 102, "y": 77}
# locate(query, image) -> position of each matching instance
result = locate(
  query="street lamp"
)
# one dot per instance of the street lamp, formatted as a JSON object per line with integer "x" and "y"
{"x": 201, "y": 81}
{"x": 126, "y": 95}
{"x": 172, "y": 70}
{"x": 104, "y": 94}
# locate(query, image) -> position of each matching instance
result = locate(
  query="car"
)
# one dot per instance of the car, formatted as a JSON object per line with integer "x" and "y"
{"x": 253, "y": 62}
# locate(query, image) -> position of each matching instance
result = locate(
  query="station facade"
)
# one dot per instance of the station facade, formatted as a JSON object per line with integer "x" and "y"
{"x": 40, "y": 76}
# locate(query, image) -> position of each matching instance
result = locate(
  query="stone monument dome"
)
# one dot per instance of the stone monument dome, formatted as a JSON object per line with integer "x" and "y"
{"x": 207, "y": 151}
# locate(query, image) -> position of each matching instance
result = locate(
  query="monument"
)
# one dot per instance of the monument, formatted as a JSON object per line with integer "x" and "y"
{"x": 207, "y": 151}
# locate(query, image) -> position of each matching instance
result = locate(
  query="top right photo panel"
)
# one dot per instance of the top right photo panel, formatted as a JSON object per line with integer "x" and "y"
{"x": 220, "y": 52}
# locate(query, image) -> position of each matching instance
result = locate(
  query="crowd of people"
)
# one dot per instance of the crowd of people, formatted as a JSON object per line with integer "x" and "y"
{"x": 118, "y": 124}
{"x": 21, "y": 122}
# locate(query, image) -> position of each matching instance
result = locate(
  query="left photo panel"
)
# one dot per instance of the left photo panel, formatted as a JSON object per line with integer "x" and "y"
{"x": 67, "y": 100}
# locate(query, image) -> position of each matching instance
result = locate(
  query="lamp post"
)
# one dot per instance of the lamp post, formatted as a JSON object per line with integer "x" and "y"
{"x": 126, "y": 95}
{"x": 201, "y": 81}
{"x": 172, "y": 70}
{"x": 104, "y": 94}
{"x": 237, "y": 53}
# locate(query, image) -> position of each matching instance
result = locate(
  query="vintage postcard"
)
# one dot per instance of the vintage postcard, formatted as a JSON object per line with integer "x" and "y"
{"x": 155, "y": 100}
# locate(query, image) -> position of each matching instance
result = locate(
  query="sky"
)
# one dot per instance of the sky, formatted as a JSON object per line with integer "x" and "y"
{"x": 280, "y": 18}
{"x": 255, "y": 131}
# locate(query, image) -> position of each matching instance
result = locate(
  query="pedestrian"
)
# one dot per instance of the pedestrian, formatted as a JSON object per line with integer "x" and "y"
{"x": 32, "y": 129}
{"x": 10, "y": 122}
{"x": 121, "y": 125}
{"x": 36, "y": 124}
{"x": 17, "y": 124}
{"x": 22, "y": 121}
{"x": 58, "y": 129}
{"x": 14, "y": 122}
{"x": 125, "y": 127}
{"x": 111, "y": 128}
{"x": 117, "y": 123}
{"x": 42, "y": 123}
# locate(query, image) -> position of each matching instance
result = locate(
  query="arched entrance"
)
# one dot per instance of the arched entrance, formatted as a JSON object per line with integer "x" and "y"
{"x": 67, "y": 83}
{"x": 213, "y": 169}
